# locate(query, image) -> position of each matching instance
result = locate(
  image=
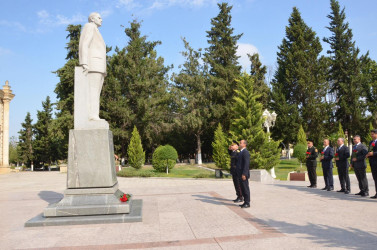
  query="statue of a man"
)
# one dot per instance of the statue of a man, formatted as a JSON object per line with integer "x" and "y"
{"x": 92, "y": 57}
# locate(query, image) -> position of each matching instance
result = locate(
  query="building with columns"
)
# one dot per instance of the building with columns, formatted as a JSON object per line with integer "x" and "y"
{"x": 6, "y": 96}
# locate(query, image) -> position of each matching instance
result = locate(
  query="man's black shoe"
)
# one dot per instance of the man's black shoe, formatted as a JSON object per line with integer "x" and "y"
{"x": 332, "y": 188}
{"x": 341, "y": 191}
{"x": 245, "y": 205}
{"x": 325, "y": 188}
{"x": 238, "y": 200}
{"x": 314, "y": 186}
{"x": 329, "y": 189}
{"x": 346, "y": 192}
{"x": 309, "y": 186}
{"x": 359, "y": 193}
{"x": 364, "y": 194}
{"x": 374, "y": 197}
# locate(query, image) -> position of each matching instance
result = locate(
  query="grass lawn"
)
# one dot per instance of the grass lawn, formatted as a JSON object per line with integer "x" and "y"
{"x": 179, "y": 171}
{"x": 286, "y": 166}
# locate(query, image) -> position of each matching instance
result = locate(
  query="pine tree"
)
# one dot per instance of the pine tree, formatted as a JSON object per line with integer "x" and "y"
{"x": 345, "y": 71}
{"x": 220, "y": 153}
{"x": 299, "y": 81}
{"x": 370, "y": 89}
{"x": 44, "y": 144}
{"x": 247, "y": 123}
{"x": 191, "y": 91}
{"x": 64, "y": 92}
{"x": 135, "y": 92}
{"x": 136, "y": 155}
{"x": 224, "y": 68}
{"x": 25, "y": 144}
{"x": 368, "y": 137}
{"x": 258, "y": 71}
{"x": 341, "y": 133}
{"x": 301, "y": 136}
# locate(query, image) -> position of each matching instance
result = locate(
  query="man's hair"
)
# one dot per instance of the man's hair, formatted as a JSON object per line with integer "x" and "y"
{"x": 326, "y": 139}
{"x": 341, "y": 138}
{"x": 374, "y": 131}
{"x": 357, "y": 136}
{"x": 92, "y": 15}
{"x": 244, "y": 141}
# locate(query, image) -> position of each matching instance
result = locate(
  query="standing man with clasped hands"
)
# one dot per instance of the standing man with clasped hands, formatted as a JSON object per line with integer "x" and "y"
{"x": 341, "y": 160}
{"x": 372, "y": 155}
{"x": 327, "y": 166}
{"x": 359, "y": 164}
{"x": 243, "y": 170}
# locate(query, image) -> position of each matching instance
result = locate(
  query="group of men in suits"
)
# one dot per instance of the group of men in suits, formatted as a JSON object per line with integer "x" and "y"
{"x": 360, "y": 153}
{"x": 239, "y": 168}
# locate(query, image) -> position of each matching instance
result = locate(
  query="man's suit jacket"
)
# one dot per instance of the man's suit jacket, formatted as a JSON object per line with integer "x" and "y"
{"x": 328, "y": 155}
{"x": 233, "y": 161}
{"x": 243, "y": 163}
{"x": 373, "y": 159}
{"x": 92, "y": 49}
{"x": 312, "y": 154}
{"x": 343, "y": 155}
{"x": 361, "y": 152}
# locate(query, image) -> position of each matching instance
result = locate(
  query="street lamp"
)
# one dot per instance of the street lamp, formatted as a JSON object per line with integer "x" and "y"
{"x": 269, "y": 121}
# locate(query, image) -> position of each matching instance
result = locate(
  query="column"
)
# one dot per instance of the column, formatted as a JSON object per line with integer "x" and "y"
{"x": 8, "y": 96}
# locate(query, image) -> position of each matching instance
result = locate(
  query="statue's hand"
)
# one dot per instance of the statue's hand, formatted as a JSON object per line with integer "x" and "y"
{"x": 85, "y": 69}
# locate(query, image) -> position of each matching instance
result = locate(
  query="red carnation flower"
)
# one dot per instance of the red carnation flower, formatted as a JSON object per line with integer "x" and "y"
{"x": 308, "y": 153}
{"x": 355, "y": 151}
{"x": 322, "y": 153}
{"x": 336, "y": 154}
{"x": 373, "y": 144}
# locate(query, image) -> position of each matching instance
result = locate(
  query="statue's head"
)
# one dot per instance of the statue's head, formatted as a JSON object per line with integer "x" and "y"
{"x": 95, "y": 18}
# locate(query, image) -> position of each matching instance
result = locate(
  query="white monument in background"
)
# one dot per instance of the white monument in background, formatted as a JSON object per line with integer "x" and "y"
{"x": 92, "y": 194}
{"x": 6, "y": 96}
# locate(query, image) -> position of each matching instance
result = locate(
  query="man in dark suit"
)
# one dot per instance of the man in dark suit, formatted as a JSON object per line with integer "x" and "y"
{"x": 243, "y": 170}
{"x": 311, "y": 164}
{"x": 372, "y": 155}
{"x": 358, "y": 162}
{"x": 326, "y": 158}
{"x": 233, "y": 152}
{"x": 341, "y": 159}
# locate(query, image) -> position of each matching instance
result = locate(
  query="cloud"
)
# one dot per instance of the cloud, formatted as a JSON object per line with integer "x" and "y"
{"x": 128, "y": 4}
{"x": 162, "y": 4}
{"x": 242, "y": 51}
{"x": 49, "y": 20}
{"x": 9, "y": 24}
{"x": 4, "y": 51}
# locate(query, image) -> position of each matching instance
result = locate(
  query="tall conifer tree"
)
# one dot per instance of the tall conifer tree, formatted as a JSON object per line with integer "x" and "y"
{"x": 300, "y": 80}
{"x": 25, "y": 145}
{"x": 258, "y": 71}
{"x": 345, "y": 75}
{"x": 223, "y": 62}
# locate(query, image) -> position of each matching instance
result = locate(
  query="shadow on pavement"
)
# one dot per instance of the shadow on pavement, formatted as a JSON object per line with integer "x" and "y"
{"x": 50, "y": 196}
{"x": 329, "y": 236}
{"x": 214, "y": 200}
{"x": 327, "y": 194}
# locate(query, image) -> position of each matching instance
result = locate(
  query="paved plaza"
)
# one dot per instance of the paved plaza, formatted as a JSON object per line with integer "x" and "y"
{"x": 195, "y": 214}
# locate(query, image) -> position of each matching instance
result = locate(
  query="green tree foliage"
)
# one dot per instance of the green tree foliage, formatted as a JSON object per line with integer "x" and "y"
{"x": 299, "y": 152}
{"x": 220, "y": 149}
{"x": 136, "y": 155}
{"x": 164, "y": 158}
{"x": 300, "y": 80}
{"x": 13, "y": 151}
{"x": 301, "y": 136}
{"x": 368, "y": 137}
{"x": 258, "y": 71}
{"x": 44, "y": 143}
{"x": 192, "y": 98}
{"x": 25, "y": 145}
{"x": 247, "y": 123}
{"x": 64, "y": 92}
{"x": 370, "y": 89}
{"x": 345, "y": 71}
{"x": 135, "y": 92}
{"x": 223, "y": 62}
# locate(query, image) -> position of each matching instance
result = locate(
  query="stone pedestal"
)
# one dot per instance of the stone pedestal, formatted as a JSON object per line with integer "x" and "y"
{"x": 91, "y": 159}
{"x": 261, "y": 175}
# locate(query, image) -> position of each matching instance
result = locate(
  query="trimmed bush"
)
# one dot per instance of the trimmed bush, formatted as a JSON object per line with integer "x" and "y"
{"x": 164, "y": 158}
{"x": 299, "y": 151}
{"x": 136, "y": 155}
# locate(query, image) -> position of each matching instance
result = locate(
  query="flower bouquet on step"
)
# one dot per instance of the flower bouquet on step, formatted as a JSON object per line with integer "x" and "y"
{"x": 125, "y": 197}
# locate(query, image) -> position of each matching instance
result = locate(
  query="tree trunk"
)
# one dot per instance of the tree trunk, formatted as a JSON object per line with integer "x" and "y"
{"x": 199, "y": 150}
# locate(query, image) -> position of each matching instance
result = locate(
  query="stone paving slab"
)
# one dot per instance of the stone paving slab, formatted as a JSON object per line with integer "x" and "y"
{"x": 195, "y": 214}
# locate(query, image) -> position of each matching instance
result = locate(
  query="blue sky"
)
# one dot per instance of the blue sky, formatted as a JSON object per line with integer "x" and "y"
{"x": 33, "y": 36}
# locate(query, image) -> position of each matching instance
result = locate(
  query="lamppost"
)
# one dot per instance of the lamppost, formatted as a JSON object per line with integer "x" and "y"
{"x": 269, "y": 121}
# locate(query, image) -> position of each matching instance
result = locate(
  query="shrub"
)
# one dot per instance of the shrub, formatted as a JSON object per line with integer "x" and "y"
{"x": 164, "y": 158}
{"x": 299, "y": 151}
{"x": 220, "y": 149}
{"x": 136, "y": 155}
